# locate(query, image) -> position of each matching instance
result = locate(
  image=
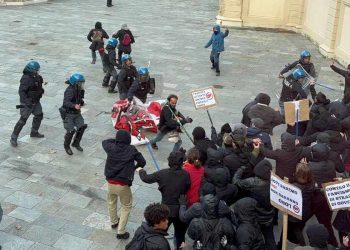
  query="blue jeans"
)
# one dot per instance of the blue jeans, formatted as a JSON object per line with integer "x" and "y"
{"x": 214, "y": 58}
{"x": 160, "y": 136}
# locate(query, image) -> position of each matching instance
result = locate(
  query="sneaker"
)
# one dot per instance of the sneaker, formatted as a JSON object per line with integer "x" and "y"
{"x": 13, "y": 142}
{"x": 154, "y": 146}
{"x": 36, "y": 135}
{"x": 123, "y": 236}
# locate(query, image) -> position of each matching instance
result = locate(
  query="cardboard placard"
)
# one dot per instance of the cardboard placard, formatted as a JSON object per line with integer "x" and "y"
{"x": 337, "y": 194}
{"x": 204, "y": 98}
{"x": 290, "y": 111}
{"x": 286, "y": 197}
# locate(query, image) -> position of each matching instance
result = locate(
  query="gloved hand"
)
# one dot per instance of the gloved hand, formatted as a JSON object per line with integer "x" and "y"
{"x": 183, "y": 200}
{"x": 189, "y": 119}
{"x": 182, "y": 150}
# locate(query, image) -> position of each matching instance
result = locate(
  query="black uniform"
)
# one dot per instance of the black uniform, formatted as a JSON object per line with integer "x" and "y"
{"x": 110, "y": 60}
{"x": 72, "y": 117}
{"x": 141, "y": 89}
{"x": 30, "y": 92}
{"x": 127, "y": 76}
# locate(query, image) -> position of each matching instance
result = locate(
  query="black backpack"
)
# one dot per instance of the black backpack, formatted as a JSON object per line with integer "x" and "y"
{"x": 137, "y": 243}
{"x": 211, "y": 238}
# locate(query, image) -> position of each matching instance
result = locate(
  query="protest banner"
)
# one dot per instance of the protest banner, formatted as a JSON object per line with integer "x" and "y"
{"x": 338, "y": 194}
{"x": 297, "y": 111}
{"x": 288, "y": 199}
{"x": 204, "y": 99}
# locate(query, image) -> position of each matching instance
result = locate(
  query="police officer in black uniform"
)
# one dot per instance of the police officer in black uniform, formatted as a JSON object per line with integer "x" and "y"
{"x": 110, "y": 60}
{"x": 127, "y": 75}
{"x": 30, "y": 92}
{"x": 71, "y": 113}
{"x": 142, "y": 86}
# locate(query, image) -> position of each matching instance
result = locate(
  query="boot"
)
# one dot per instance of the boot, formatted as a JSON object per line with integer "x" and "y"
{"x": 36, "y": 135}
{"x": 112, "y": 91}
{"x": 112, "y": 87}
{"x": 109, "y": 3}
{"x": 36, "y": 125}
{"x": 13, "y": 142}
{"x": 78, "y": 136}
{"x": 67, "y": 140}
{"x": 93, "y": 61}
{"x": 16, "y": 130}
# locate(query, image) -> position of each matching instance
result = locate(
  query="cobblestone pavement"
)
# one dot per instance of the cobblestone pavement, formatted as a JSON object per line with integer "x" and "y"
{"x": 55, "y": 201}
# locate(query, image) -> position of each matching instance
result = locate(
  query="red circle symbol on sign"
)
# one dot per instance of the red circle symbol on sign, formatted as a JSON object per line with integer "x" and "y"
{"x": 296, "y": 209}
{"x": 209, "y": 95}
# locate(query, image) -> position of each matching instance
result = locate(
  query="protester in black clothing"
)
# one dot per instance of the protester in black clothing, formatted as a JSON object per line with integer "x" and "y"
{"x": 318, "y": 237}
{"x": 210, "y": 231}
{"x": 225, "y": 191}
{"x": 169, "y": 122}
{"x": 342, "y": 224}
{"x": 214, "y": 161}
{"x": 261, "y": 97}
{"x": 73, "y": 121}
{"x": 96, "y": 37}
{"x": 125, "y": 38}
{"x": 111, "y": 64}
{"x": 151, "y": 234}
{"x": 173, "y": 182}
{"x": 345, "y": 74}
{"x": 30, "y": 92}
{"x": 218, "y": 139}
{"x": 202, "y": 143}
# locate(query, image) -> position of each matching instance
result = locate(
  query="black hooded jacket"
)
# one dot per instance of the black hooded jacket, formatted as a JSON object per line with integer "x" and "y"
{"x": 333, "y": 155}
{"x": 126, "y": 77}
{"x": 202, "y": 143}
{"x": 249, "y": 236}
{"x": 73, "y": 95}
{"x": 271, "y": 117}
{"x": 245, "y": 118}
{"x": 346, "y": 76}
{"x": 172, "y": 182}
{"x": 287, "y": 157}
{"x": 224, "y": 189}
{"x": 31, "y": 88}
{"x": 121, "y": 157}
{"x": 152, "y": 239}
{"x": 323, "y": 170}
{"x": 210, "y": 228}
{"x": 96, "y": 36}
{"x": 214, "y": 162}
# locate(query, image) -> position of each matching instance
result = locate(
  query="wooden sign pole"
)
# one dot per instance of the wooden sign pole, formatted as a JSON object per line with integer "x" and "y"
{"x": 285, "y": 226}
{"x": 211, "y": 121}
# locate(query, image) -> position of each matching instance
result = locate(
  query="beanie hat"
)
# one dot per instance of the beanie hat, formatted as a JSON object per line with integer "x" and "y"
{"x": 226, "y": 128}
{"x": 239, "y": 129}
{"x": 123, "y": 137}
{"x": 198, "y": 133}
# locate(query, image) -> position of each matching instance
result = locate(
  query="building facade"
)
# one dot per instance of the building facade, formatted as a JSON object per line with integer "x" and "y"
{"x": 324, "y": 21}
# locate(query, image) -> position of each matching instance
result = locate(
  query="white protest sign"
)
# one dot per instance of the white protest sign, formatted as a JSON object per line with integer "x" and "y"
{"x": 286, "y": 197}
{"x": 204, "y": 98}
{"x": 338, "y": 194}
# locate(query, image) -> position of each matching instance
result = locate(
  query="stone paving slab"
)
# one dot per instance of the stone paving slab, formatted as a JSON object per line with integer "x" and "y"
{"x": 42, "y": 235}
{"x": 69, "y": 242}
{"x": 28, "y": 215}
{"x": 12, "y": 242}
{"x": 23, "y": 199}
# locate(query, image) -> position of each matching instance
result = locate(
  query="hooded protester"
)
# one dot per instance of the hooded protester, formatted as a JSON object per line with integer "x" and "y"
{"x": 255, "y": 131}
{"x": 202, "y": 143}
{"x": 151, "y": 234}
{"x": 258, "y": 187}
{"x": 338, "y": 109}
{"x": 270, "y": 117}
{"x": 214, "y": 162}
{"x": 218, "y": 139}
{"x": 96, "y": 37}
{"x": 172, "y": 182}
{"x": 196, "y": 210}
{"x": 248, "y": 233}
{"x": 217, "y": 43}
{"x": 320, "y": 105}
{"x": 242, "y": 154}
{"x": 210, "y": 231}
{"x": 261, "y": 97}
{"x": 345, "y": 74}
{"x": 288, "y": 156}
{"x": 318, "y": 237}
{"x": 323, "y": 171}
{"x": 125, "y": 38}
{"x": 225, "y": 191}
{"x": 119, "y": 171}
{"x": 195, "y": 169}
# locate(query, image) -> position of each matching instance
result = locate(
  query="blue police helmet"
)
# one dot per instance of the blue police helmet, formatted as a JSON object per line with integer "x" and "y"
{"x": 75, "y": 78}
{"x": 305, "y": 53}
{"x": 298, "y": 73}
{"x": 126, "y": 57}
{"x": 113, "y": 42}
{"x": 32, "y": 66}
{"x": 143, "y": 71}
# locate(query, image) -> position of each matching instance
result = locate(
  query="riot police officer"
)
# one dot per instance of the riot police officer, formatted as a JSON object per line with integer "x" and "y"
{"x": 110, "y": 60}
{"x": 71, "y": 112}
{"x": 30, "y": 92}
{"x": 142, "y": 86}
{"x": 127, "y": 75}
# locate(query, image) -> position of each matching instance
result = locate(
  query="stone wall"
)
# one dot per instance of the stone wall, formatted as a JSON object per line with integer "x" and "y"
{"x": 20, "y": 2}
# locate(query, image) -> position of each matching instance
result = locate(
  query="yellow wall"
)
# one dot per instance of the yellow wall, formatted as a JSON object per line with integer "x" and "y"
{"x": 322, "y": 20}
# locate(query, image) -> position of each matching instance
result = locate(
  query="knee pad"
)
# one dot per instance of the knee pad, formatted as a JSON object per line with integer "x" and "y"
{"x": 39, "y": 116}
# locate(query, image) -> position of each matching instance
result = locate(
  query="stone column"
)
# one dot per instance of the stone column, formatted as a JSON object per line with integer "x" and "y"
{"x": 230, "y": 13}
